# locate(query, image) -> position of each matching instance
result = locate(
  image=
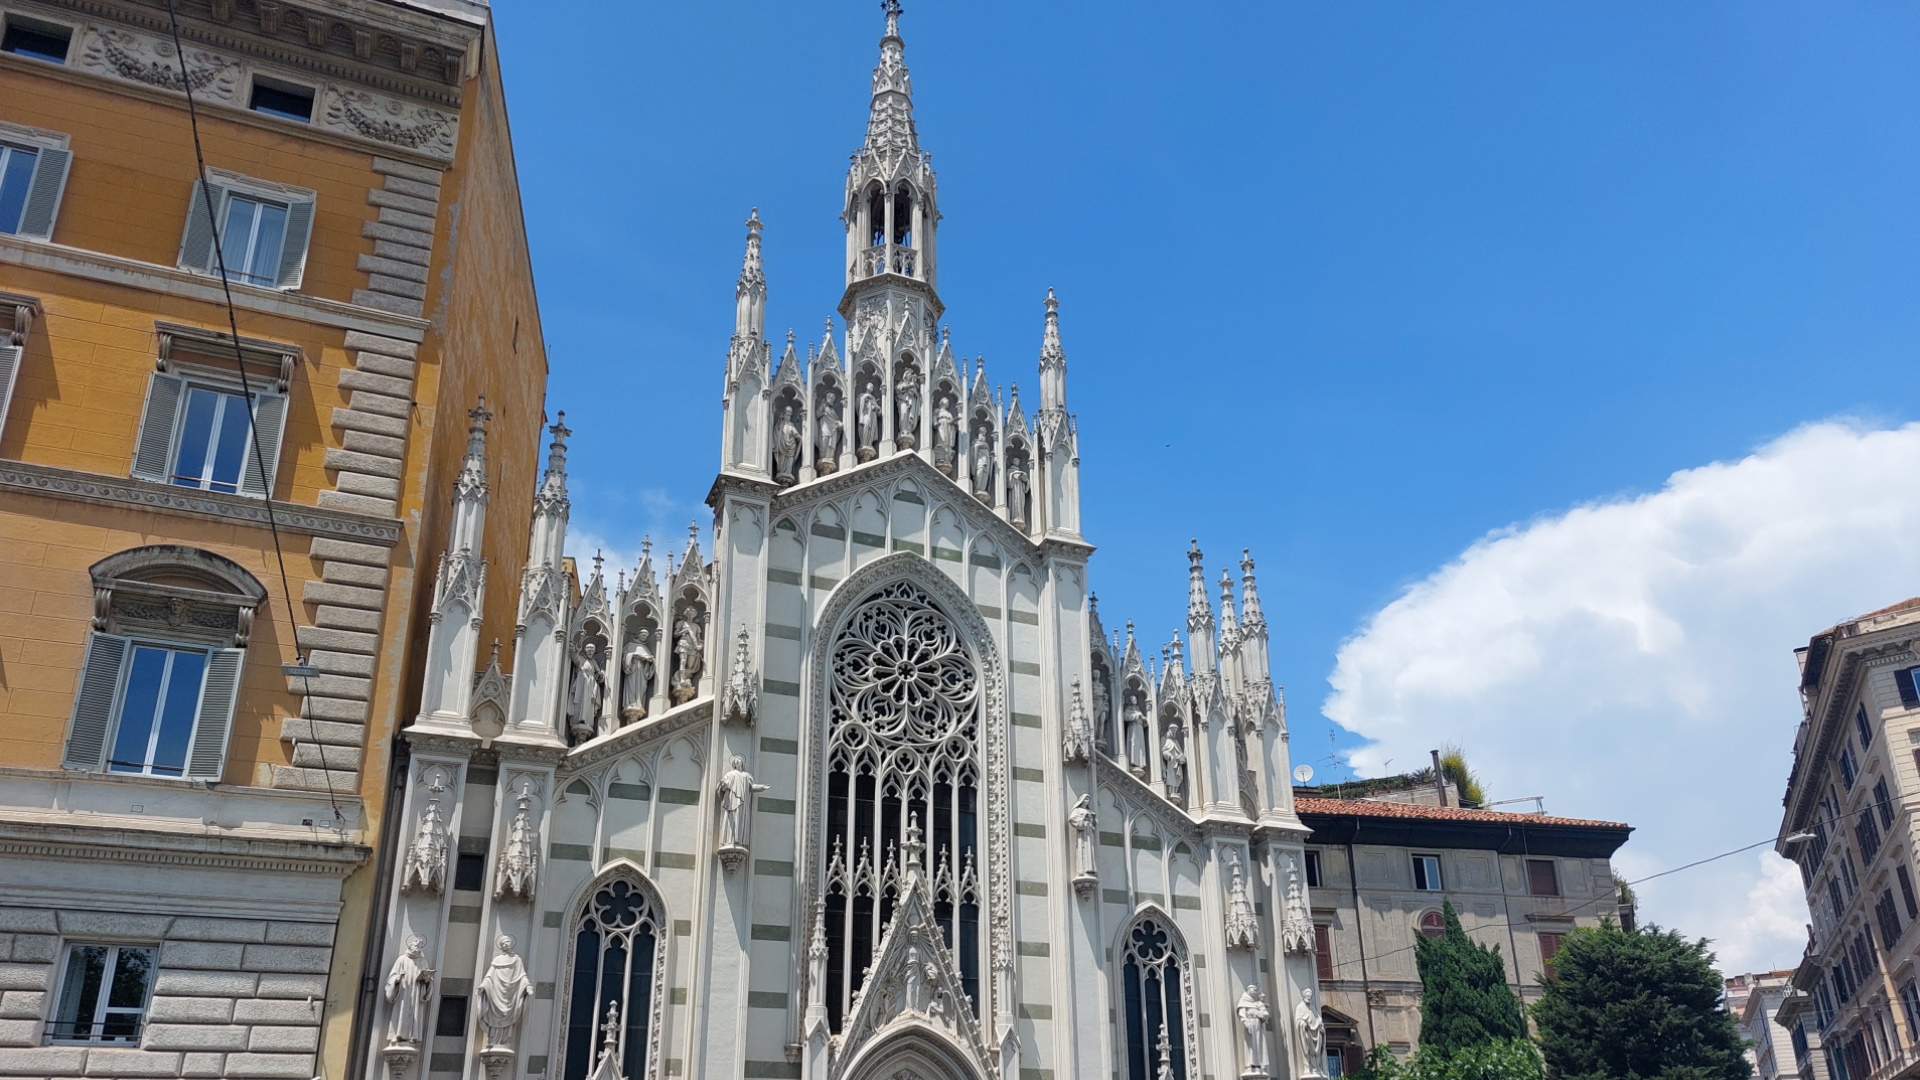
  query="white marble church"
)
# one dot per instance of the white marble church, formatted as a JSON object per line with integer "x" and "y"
{"x": 868, "y": 792}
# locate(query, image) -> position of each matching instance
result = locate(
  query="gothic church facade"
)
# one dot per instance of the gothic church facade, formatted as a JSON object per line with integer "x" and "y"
{"x": 867, "y": 791}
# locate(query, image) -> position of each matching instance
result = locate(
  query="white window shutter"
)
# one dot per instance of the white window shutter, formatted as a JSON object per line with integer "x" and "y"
{"x": 196, "y": 247}
{"x": 43, "y": 194}
{"x": 269, "y": 421}
{"x": 293, "y": 251}
{"x": 153, "y": 453}
{"x": 10, "y": 356}
{"x": 208, "y": 757}
{"x": 94, "y": 704}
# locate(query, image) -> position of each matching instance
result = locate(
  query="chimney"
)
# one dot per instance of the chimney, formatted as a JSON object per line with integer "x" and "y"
{"x": 1439, "y": 781}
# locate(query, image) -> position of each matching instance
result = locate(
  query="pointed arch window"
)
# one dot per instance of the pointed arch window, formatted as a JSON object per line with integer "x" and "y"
{"x": 619, "y": 959}
{"x": 903, "y": 748}
{"x": 1154, "y": 998}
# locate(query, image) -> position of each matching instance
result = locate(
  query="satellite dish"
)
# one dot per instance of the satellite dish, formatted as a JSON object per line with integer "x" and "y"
{"x": 1302, "y": 773}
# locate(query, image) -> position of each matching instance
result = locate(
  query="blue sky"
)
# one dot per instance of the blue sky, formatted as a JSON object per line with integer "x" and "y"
{"x": 1351, "y": 284}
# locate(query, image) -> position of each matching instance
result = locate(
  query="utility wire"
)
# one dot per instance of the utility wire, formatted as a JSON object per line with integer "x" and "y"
{"x": 246, "y": 387}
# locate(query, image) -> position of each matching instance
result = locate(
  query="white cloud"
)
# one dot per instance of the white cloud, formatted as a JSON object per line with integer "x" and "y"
{"x": 1632, "y": 660}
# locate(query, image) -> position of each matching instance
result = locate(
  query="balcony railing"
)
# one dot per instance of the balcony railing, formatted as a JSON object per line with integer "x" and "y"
{"x": 1900, "y": 1064}
{"x": 888, "y": 259}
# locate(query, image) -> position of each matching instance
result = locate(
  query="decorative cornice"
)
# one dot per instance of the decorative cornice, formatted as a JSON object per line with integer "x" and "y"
{"x": 186, "y": 285}
{"x": 209, "y": 851}
{"x": 633, "y": 736}
{"x": 880, "y": 282}
{"x": 188, "y": 502}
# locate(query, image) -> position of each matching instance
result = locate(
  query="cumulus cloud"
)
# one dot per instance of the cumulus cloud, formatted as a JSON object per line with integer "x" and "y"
{"x": 1632, "y": 660}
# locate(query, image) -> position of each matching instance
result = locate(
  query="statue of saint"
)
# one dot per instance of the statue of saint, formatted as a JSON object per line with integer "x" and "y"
{"x": 1173, "y": 763}
{"x": 869, "y": 418}
{"x": 906, "y": 434}
{"x": 826, "y": 446}
{"x": 983, "y": 468}
{"x": 637, "y": 677}
{"x": 786, "y": 446}
{"x": 1253, "y": 1013}
{"x": 736, "y": 792}
{"x": 1102, "y": 711}
{"x": 1017, "y": 494}
{"x": 1136, "y": 721}
{"x": 1086, "y": 836}
{"x": 587, "y": 693}
{"x": 946, "y": 434}
{"x": 1313, "y": 1033}
{"x": 686, "y": 660}
{"x": 504, "y": 991}
{"x": 409, "y": 985}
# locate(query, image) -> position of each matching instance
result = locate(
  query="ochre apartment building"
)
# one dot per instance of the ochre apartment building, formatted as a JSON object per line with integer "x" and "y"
{"x": 217, "y": 555}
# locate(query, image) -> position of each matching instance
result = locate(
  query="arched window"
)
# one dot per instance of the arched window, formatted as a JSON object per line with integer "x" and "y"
{"x": 619, "y": 954}
{"x": 876, "y": 216}
{"x": 903, "y": 733}
{"x": 1432, "y": 924}
{"x": 1154, "y": 995}
{"x": 903, "y": 216}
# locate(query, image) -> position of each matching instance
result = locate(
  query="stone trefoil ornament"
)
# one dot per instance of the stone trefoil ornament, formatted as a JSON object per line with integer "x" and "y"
{"x": 1243, "y": 929}
{"x": 520, "y": 859}
{"x": 424, "y": 868}
{"x": 743, "y": 684}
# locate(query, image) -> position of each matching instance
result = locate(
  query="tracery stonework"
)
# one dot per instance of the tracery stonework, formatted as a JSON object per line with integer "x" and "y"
{"x": 853, "y": 784}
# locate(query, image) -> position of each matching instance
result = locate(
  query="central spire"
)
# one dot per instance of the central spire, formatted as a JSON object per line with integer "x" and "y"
{"x": 889, "y": 211}
{"x": 890, "y": 121}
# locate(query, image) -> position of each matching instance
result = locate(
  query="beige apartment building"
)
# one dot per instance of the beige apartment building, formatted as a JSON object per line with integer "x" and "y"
{"x": 1754, "y": 1000}
{"x": 1379, "y": 868}
{"x": 1856, "y": 765}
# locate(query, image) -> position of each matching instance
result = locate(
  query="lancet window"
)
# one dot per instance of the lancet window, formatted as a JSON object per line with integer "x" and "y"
{"x": 903, "y": 755}
{"x": 619, "y": 957}
{"x": 1154, "y": 996}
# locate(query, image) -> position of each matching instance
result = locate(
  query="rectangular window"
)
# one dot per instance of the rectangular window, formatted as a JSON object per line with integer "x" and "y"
{"x": 1906, "y": 895}
{"x": 263, "y": 231}
{"x": 1426, "y": 873}
{"x": 153, "y": 708}
{"x": 1909, "y": 1004}
{"x": 103, "y": 995}
{"x": 1542, "y": 879}
{"x": 1849, "y": 772}
{"x": 1883, "y": 802}
{"x": 200, "y": 433}
{"x": 1549, "y": 948}
{"x": 1336, "y": 1064}
{"x": 33, "y": 174}
{"x": 288, "y": 101}
{"x": 1903, "y": 682}
{"x": 16, "y": 179}
{"x": 158, "y": 706}
{"x": 39, "y": 40}
{"x": 1323, "y": 951}
{"x": 470, "y": 872}
{"x": 451, "y": 1023}
{"x": 1863, "y": 725}
{"x": 1313, "y": 869}
{"x": 1868, "y": 834}
{"x": 1889, "y": 919}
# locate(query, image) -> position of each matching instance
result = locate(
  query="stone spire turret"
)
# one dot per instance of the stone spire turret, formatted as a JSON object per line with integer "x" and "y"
{"x": 1200, "y": 616}
{"x": 750, "y": 295}
{"x": 890, "y": 208}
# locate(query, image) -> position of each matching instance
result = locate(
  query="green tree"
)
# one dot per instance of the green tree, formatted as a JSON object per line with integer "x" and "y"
{"x": 1632, "y": 1004}
{"x": 1505, "y": 1059}
{"x": 1464, "y": 997}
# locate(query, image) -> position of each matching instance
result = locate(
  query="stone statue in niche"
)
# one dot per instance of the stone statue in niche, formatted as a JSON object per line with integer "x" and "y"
{"x": 636, "y": 683}
{"x": 688, "y": 643}
{"x": 906, "y": 433}
{"x": 826, "y": 443}
{"x": 868, "y": 417}
{"x": 1102, "y": 710}
{"x": 504, "y": 991}
{"x": 1136, "y": 723}
{"x": 1173, "y": 763}
{"x": 409, "y": 987}
{"x": 589, "y": 689}
{"x": 1086, "y": 836}
{"x": 1253, "y": 1014}
{"x": 1313, "y": 1035}
{"x": 946, "y": 435}
{"x": 1017, "y": 494}
{"x": 786, "y": 446}
{"x": 983, "y": 469}
{"x": 736, "y": 793}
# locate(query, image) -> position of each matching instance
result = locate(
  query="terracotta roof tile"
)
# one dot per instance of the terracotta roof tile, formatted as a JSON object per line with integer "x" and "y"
{"x": 1910, "y": 602}
{"x": 1359, "y": 808}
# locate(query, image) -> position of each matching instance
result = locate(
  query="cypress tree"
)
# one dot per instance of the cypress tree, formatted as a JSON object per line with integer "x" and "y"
{"x": 1634, "y": 1004}
{"x": 1465, "y": 1001}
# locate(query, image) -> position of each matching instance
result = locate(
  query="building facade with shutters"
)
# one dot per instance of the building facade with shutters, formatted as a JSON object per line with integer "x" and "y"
{"x": 219, "y": 525}
{"x": 864, "y": 789}
{"x": 1381, "y": 867}
{"x": 1754, "y": 1000}
{"x": 1849, "y": 827}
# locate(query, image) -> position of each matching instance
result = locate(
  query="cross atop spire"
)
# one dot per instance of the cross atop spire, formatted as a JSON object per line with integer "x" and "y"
{"x": 552, "y": 498}
{"x": 892, "y": 8}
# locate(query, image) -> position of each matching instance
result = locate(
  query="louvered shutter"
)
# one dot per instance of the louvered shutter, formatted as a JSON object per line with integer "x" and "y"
{"x": 293, "y": 252}
{"x": 153, "y": 454}
{"x": 9, "y": 372}
{"x": 269, "y": 419}
{"x": 43, "y": 194}
{"x": 93, "y": 705}
{"x": 196, "y": 247}
{"x": 208, "y": 758}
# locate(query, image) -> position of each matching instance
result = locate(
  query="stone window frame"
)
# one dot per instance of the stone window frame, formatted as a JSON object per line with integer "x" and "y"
{"x": 51, "y": 1034}
{"x": 189, "y": 356}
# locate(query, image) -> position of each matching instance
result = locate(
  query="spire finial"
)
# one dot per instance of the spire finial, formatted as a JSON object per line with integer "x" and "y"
{"x": 1199, "y": 611}
{"x": 750, "y": 295}
{"x": 1249, "y": 593}
{"x": 892, "y": 8}
{"x": 472, "y": 482}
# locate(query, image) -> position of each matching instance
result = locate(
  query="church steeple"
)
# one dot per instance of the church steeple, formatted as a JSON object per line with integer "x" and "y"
{"x": 890, "y": 209}
{"x": 750, "y": 295}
